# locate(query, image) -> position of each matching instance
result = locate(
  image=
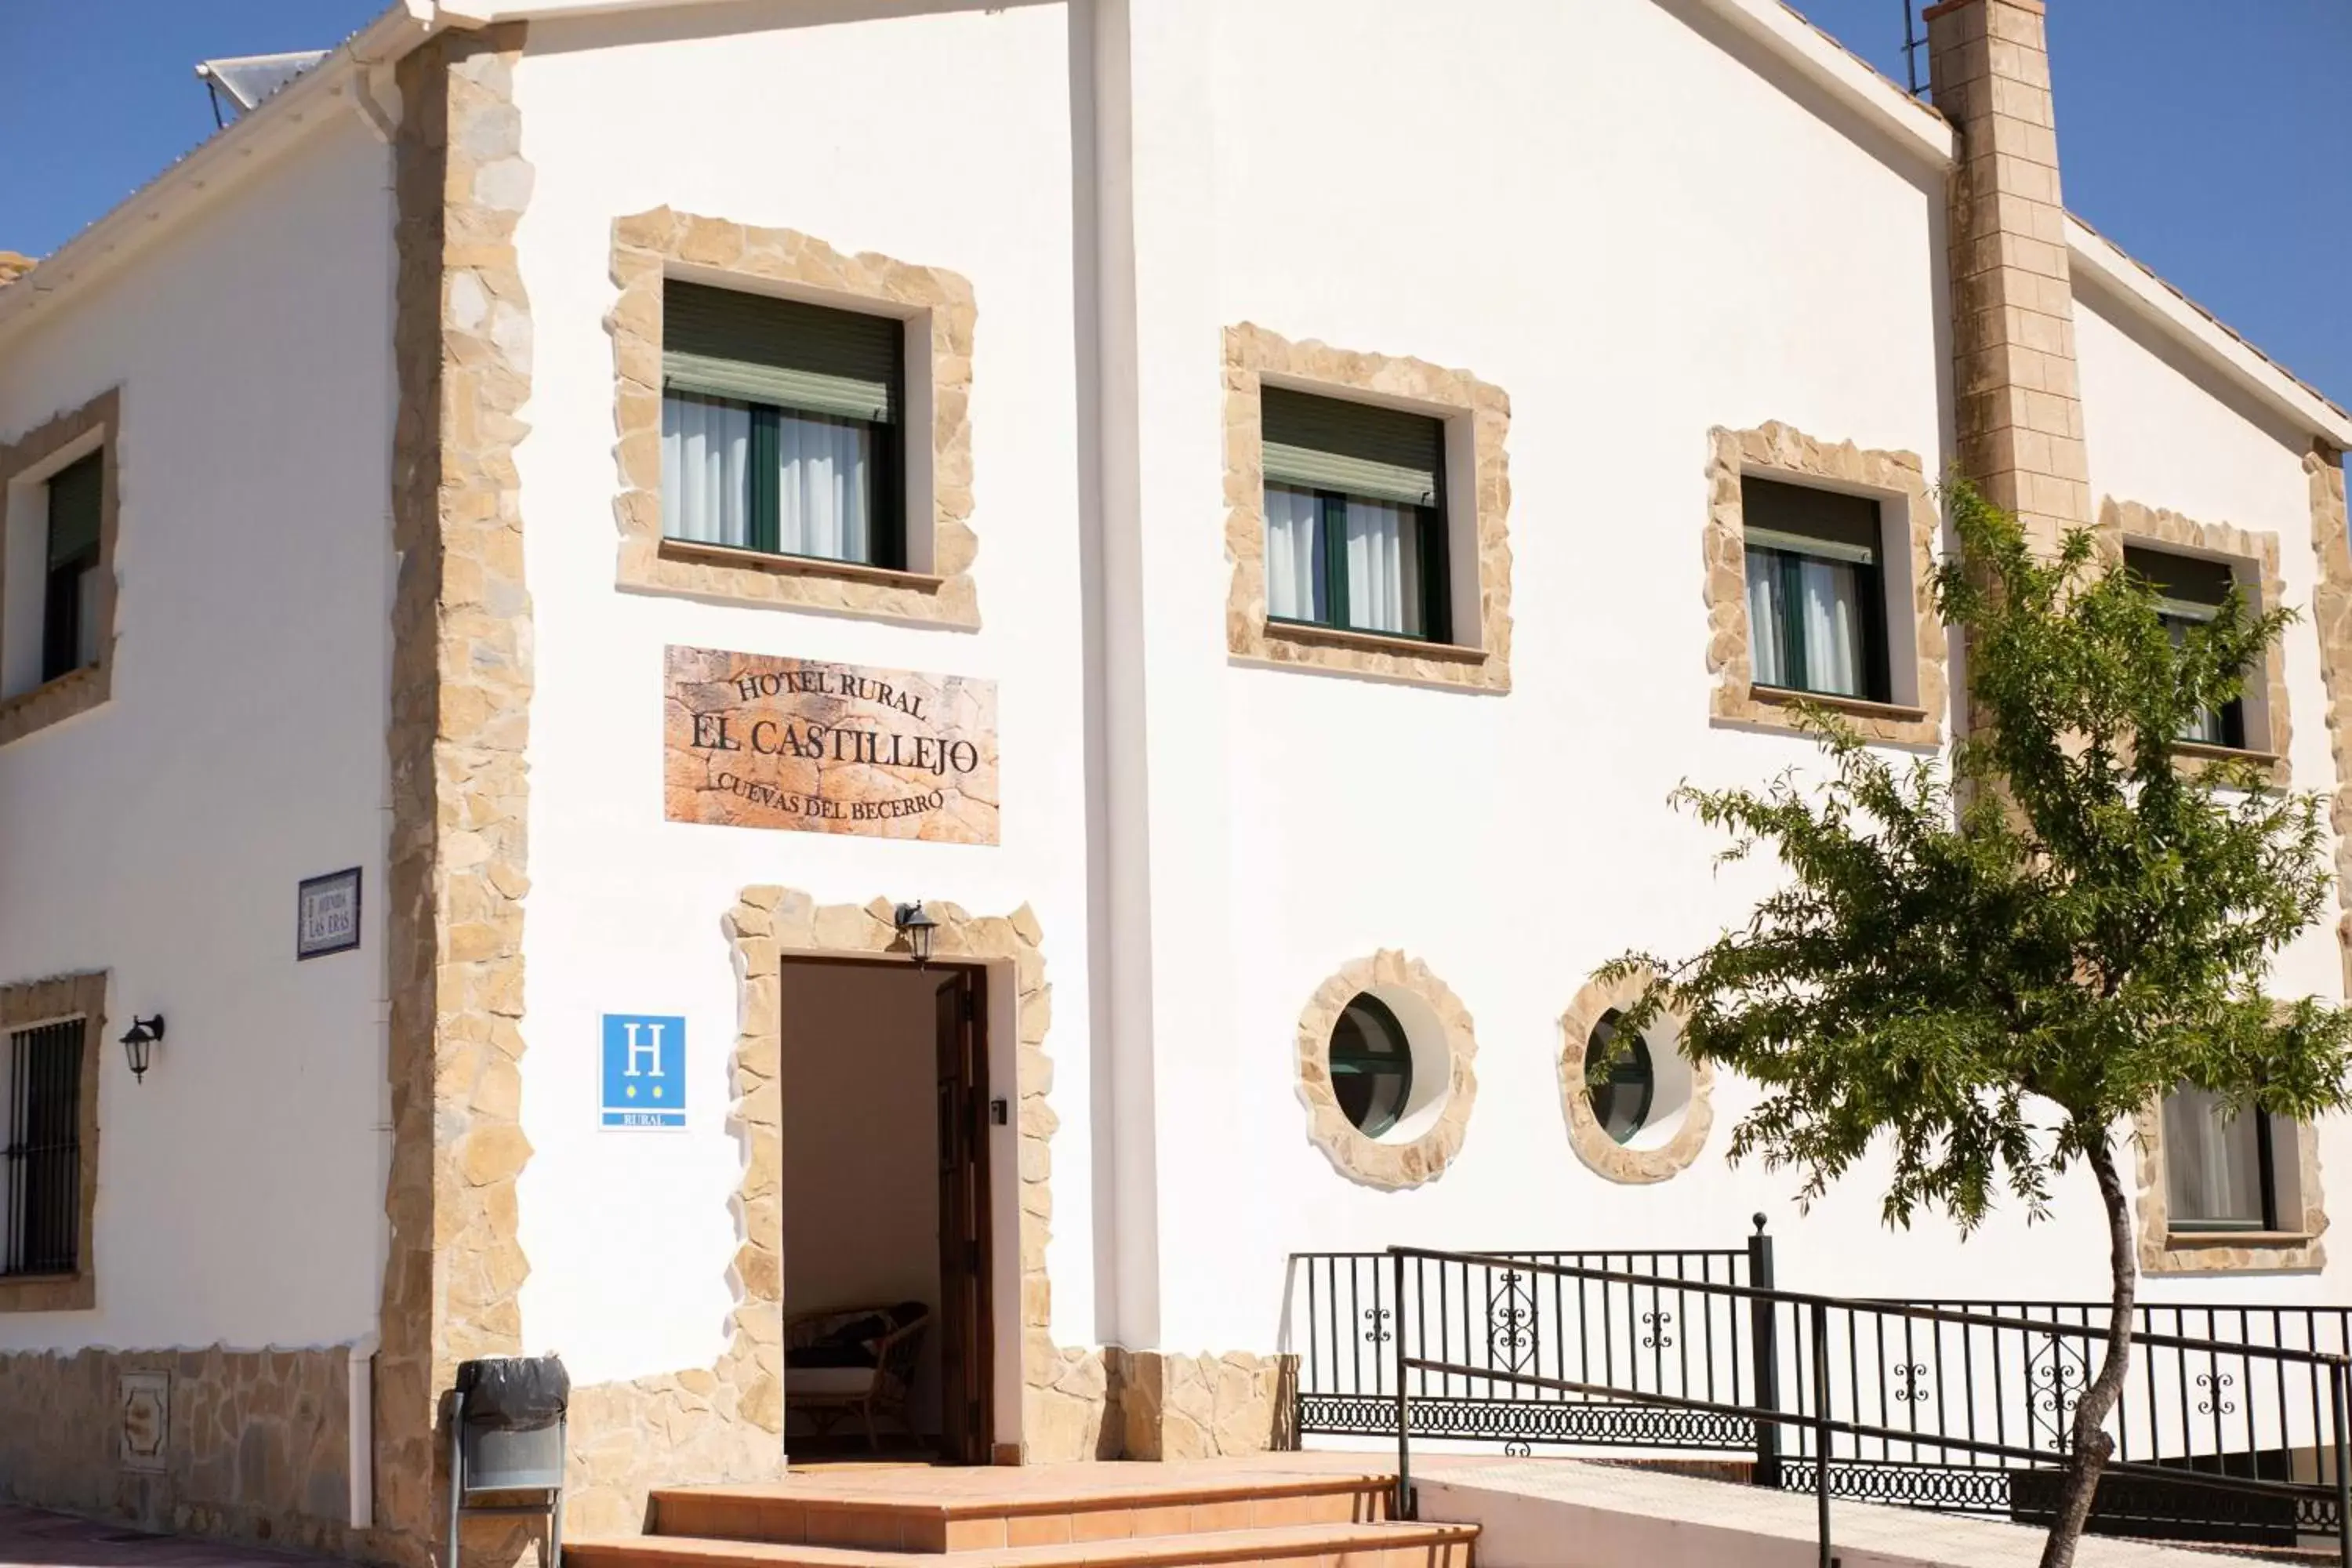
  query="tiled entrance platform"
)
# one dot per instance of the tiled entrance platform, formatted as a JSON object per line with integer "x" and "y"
{"x": 1283, "y": 1511}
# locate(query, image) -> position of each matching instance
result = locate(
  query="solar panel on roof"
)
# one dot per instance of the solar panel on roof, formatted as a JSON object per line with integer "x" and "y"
{"x": 246, "y": 79}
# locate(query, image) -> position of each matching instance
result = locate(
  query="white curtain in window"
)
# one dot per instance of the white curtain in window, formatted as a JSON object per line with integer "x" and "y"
{"x": 824, "y": 502}
{"x": 1764, "y": 611}
{"x": 705, "y": 449}
{"x": 85, "y": 616}
{"x": 1293, "y": 555}
{"x": 2206, "y": 726}
{"x": 1383, "y": 567}
{"x": 2212, "y": 1167}
{"x": 1831, "y": 602}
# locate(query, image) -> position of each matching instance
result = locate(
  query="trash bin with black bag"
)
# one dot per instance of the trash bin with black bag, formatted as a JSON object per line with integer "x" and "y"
{"x": 506, "y": 1439}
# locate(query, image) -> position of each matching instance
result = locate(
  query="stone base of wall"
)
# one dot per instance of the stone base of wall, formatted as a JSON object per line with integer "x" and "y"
{"x": 245, "y": 1445}
{"x": 1201, "y": 1406}
{"x": 1118, "y": 1404}
{"x": 628, "y": 1438}
{"x": 1069, "y": 1402}
{"x": 253, "y": 1445}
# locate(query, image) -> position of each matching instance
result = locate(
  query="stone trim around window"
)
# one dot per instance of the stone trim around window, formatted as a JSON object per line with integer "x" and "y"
{"x": 1600, "y": 1153}
{"x": 648, "y": 246}
{"x": 2253, "y": 557}
{"x": 1407, "y": 1162}
{"x": 1481, "y": 489}
{"x": 2162, "y": 1250}
{"x": 30, "y": 460}
{"x": 54, "y": 1000}
{"x": 1917, "y": 651}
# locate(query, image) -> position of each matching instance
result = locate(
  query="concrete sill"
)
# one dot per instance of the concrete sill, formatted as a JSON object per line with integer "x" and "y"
{"x": 797, "y": 565}
{"x": 1372, "y": 642}
{"x": 2224, "y": 753}
{"x": 2236, "y": 1237}
{"x": 1860, "y": 707}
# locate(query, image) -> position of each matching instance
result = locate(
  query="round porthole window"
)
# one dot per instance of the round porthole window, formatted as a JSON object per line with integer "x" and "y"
{"x": 1618, "y": 1080}
{"x": 1371, "y": 1066}
{"x": 1384, "y": 1072}
{"x": 1638, "y": 1108}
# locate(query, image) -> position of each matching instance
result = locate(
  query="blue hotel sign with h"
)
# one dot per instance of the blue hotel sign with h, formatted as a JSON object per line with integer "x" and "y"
{"x": 644, "y": 1071}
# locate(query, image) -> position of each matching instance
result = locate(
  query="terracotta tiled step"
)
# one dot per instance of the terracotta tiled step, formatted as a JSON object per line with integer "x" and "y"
{"x": 951, "y": 1510}
{"x": 1382, "y": 1545}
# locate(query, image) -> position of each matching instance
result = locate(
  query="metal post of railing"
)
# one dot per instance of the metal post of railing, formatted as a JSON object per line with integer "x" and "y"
{"x": 1404, "y": 1427}
{"x": 2341, "y": 1398}
{"x": 1764, "y": 1341}
{"x": 1822, "y": 1424}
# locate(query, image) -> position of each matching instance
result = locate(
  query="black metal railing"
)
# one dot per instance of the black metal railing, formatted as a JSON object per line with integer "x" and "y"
{"x": 2327, "y": 1329}
{"x": 1941, "y": 1407}
{"x": 1344, "y": 1318}
{"x": 40, "y": 1163}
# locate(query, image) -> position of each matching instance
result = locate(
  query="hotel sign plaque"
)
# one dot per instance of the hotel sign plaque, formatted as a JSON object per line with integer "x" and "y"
{"x": 750, "y": 740}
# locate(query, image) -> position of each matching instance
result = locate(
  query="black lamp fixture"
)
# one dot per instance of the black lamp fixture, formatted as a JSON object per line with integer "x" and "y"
{"x": 918, "y": 928}
{"x": 141, "y": 1042}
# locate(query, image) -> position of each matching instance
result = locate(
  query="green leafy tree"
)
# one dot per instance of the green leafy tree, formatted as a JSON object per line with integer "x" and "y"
{"x": 1987, "y": 972}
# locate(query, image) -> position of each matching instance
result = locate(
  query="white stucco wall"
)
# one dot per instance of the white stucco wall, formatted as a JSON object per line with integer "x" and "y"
{"x": 963, "y": 162}
{"x": 1631, "y": 263}
{"x": 161, "y": 836}
{"x": 2162, "y": 430}
{"x": 1637, "y": 236}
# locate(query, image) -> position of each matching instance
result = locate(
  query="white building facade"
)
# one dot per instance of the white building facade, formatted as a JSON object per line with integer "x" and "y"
{"x": 1227, "y": 540}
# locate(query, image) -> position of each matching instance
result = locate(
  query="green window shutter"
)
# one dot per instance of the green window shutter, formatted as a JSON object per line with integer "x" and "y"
{"x": 1326, "y": 444}
{"x": 1823, "y": 523}
{"x": 2191, "y": 589}
{"x": 75, "y": 493}
{"x": 723, "y": 342}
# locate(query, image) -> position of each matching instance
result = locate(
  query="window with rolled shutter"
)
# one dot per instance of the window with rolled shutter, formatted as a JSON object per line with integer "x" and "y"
{"x": 781, "y": 425}
{"x": 2189, "y": 592}
{"x": 1816, "y": 590}
{"x": 1355, "y": 516}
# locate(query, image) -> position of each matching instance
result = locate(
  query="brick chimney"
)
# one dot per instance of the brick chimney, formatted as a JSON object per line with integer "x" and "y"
{"x": 2020, "y": 409}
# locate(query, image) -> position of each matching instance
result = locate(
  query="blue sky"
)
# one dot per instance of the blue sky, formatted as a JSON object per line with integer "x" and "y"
{"x": 2209, "y": 138}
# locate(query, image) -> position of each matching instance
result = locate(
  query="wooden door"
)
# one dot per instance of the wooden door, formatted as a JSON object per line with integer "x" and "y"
{"x": 966, "y": 1364}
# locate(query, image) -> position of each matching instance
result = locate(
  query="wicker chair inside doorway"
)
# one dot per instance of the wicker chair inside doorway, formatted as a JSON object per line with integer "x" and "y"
{"x": 854, "y": 1361}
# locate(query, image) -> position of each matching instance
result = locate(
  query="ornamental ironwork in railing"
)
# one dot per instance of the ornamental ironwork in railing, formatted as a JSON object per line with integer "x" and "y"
{"x": 2226, "y": 1432}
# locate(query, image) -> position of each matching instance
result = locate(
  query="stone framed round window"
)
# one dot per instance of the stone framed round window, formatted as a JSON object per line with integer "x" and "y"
{"x": 1384, "y": 1069}
{"x": 1638, "y": 1110}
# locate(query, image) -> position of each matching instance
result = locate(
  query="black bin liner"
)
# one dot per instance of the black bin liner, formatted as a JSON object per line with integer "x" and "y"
{"x": 514, "y": 1393}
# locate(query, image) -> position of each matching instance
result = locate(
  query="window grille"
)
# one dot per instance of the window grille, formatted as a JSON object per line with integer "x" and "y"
{"x": 40, "y": 1163}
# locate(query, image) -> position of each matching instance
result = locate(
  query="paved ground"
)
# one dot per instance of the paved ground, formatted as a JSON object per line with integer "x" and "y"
{"x": 41, "y": 1539}
{"x": 1564, "y": 1513}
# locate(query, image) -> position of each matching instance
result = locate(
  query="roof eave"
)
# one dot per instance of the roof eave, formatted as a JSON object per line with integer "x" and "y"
{"x": 340, "y": 83}
{"x": 1853, "y": 82}
{"x": 2159, "y": 304}
{"x": 348, "y": 78}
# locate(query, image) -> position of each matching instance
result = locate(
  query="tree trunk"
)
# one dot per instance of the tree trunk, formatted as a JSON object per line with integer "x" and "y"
{"x": 2091, "y": 1447}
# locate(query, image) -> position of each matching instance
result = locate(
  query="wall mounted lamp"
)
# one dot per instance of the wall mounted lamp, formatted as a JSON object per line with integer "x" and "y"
{"x": 139, "y": 1043}
{"x": 918, "y": 928}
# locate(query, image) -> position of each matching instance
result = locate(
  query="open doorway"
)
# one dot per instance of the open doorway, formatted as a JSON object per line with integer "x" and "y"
{"x": 884, "y": 1122}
